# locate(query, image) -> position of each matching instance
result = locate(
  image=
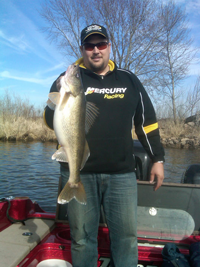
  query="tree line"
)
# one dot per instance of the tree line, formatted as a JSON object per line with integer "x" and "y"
{"x": 148, "y": 37}
{"x": 13, "y": 107}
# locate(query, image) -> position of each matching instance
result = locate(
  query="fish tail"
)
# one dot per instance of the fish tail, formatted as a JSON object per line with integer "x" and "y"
{"x": 71, "y": 191}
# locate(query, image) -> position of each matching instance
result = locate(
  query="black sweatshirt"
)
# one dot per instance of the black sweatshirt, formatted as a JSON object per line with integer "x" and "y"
{"x": 122, "y": 101}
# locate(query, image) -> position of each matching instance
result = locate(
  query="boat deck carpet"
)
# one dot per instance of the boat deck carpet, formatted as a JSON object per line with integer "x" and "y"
{"x": 14, "y": 246}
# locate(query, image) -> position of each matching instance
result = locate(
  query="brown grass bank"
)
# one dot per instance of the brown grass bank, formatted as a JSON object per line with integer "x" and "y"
{"x": 21, "y": 121}
{"x": 20, "y": 128}
{"x": 180, "y": 135}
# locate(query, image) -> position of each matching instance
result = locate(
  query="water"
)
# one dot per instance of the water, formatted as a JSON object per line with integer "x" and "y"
{"x": 26, "y": 169}
{"x": 176, "y": 162}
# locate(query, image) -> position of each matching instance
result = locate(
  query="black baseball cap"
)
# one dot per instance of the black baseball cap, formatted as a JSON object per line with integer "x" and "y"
{"x": 93, "y": 29}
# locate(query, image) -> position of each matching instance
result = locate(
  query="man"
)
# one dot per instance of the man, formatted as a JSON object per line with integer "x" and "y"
{"x": 108, "y": 176}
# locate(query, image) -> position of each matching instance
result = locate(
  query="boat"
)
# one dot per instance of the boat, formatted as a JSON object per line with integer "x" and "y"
{"x": 32, "y": 237}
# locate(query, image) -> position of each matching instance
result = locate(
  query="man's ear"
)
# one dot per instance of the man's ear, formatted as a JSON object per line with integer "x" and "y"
{"x": 109, "y": 45}
{"x": 81, "y": 49}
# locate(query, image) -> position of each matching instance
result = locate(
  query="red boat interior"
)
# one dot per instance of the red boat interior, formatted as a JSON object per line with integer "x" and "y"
{"x": 32, "y": 237}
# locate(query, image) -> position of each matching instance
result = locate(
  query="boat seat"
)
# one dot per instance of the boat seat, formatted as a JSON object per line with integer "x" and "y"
{"x": 14, "y": 246}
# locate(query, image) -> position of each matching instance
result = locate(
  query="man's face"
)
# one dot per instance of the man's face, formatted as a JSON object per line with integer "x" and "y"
{"x": 96, "y": 60}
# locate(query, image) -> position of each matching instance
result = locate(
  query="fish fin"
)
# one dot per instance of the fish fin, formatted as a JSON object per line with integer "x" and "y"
{"x": 50, "y": 104}
{"x": 54, "y": 97}
{"x": 65, "y": 99}
{"x": 86, "y": 154}
{"x": 71, "y": 191}
{"x": 60, "y": 155}
{"x": 91, "y": 114}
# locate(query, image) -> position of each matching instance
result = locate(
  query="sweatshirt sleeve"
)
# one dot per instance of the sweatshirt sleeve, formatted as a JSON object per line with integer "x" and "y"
{"x": 146, "y": 125}
{"x": 49, "y": 113}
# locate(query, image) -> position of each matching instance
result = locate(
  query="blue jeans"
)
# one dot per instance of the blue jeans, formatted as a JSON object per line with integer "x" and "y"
{"x": 118, "y": 195}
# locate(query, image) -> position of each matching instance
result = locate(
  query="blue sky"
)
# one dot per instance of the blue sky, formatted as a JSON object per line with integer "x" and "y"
{"x": 29, "y": 63}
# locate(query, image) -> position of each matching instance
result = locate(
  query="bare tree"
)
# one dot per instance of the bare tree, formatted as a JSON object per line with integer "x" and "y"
{"x": 148, "y": 38}
{"x": 64, "y": 24}
{"x": 187, "y": 104}
{"x": 132, "y": 25}
{"x": 177, "y": 53}
{"x": 134, "y": 29}
{"x": 193, "y": 99}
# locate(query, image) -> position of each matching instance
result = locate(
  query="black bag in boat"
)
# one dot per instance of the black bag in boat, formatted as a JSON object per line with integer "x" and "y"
{"x": 195, "y": 254}
{"x": 172, "y": 257}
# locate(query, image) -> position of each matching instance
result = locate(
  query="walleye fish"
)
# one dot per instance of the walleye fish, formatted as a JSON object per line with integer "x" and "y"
{"x": 73, "y": 118}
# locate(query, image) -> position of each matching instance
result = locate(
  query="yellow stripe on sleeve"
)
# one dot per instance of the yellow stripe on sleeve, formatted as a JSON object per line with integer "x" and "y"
{"x": 151, "y": 128}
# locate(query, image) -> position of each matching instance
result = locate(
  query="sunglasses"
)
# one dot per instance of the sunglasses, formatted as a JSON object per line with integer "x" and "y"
{"x": 100, "y": 46}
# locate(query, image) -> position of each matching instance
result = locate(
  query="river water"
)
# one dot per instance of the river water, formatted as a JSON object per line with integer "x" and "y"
{"x": 26, "y": 169}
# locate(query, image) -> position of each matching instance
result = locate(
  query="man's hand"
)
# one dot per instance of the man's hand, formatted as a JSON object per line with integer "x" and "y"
{"x": 157, "y": 171}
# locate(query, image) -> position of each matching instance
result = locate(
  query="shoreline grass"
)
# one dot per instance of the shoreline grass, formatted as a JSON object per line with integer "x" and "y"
{"x": 22, "y": 129}
{"x": 20, "y": 121}
{"x": 34, "y": 129}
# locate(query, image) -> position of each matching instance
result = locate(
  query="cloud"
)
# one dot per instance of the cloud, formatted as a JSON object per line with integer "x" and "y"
{"x": 180, "y": 1}
{"x": 41, "y": 81}
{"x": 18, "y": 44}
{"x": 175, "y": 1}
{"x": 61, "y": 66}
{"x": 193, "y": 7}
{"x": 194, "y": 69}
{"x": 20, "y": 30}
{"x": 4, "y": 88}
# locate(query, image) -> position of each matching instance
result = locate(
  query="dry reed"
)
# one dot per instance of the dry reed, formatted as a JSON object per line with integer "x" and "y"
{"x": 21, "y": 121}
